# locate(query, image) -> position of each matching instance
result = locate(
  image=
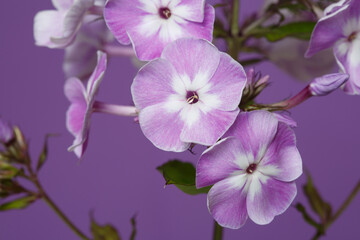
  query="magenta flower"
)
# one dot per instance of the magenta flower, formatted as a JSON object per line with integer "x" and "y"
{"x": 340, "y": 29}
{"x": 83, "y": 104}
{"x": 151, "y": 24}
{"x": 252, "y": 171}
{"x": 6, "y": 132}
{"x": 58, "y": 28}
{"x": 189, "y": 95}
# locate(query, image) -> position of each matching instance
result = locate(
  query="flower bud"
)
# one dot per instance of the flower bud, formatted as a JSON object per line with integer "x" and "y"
{"x": 20, "y": 138}
{"x": 7, "y": 171}
{"x": 6, "y": 133}
{"x": 324, "y": 85}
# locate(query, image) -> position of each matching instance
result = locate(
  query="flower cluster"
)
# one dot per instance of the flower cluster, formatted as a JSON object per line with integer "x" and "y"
{"x": 190, "y": 93}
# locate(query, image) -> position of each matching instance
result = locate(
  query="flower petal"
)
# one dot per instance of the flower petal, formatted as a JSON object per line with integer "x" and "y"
{"x": 72, "y": 22}
{"x": 120, "y": 15}
{"x": 282, "y": 159}
{"x": 62, "y": 4}
{"x": 81, "y": 57}
{"x": 155, "y": 83}
{"x": 285, "y": 118}
{"x": 203, "y": 29}
{"x": 192, "y": 10}
{"x": 228, "y": 83}
{"x": 220, "y": 161}
{"x": 47, "y": 24}
{"x": 255, "y": 130}
{"x": 227, "y": 202}
{"x": 194, "y": 58}
{"x": 327, "y": 32}
{"x": 162, "y": 128}
{"x": 75, "y": 91}
{"x": 75, "y": 115}
{"x": 208, "y": 126}
{"x": 96, "y": 77}
{"x": 268, "y": 198}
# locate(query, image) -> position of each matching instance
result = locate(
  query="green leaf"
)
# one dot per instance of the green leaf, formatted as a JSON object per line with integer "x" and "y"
{"x": 133, "y": 224}
{"x": 103, "y": 232}
{"x": 182, "y": 175}
{"x": 44, "y": 152}
{"x": 318, "y": 205}
{"x": 300, "y": 30}
{"x": 19, "y": 203}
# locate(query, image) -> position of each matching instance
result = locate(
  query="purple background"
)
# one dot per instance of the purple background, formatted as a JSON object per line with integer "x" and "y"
{"x": 117, "y": 177}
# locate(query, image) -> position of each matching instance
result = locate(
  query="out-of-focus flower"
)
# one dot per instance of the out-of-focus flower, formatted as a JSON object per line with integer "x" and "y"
{"x": 151, "y": 24}
{"x": 82, "y": 101}
{"x": 189, "y": 95}
{"x": 326, "y": 84}
{"x": 252, "y": 171}
{"x": 6, "y": 132}
{"x": 81, "y": 56}
{"x": 58, "y": 28}
{"x": 288, "y": 53}
{"x": 340, "y": 29}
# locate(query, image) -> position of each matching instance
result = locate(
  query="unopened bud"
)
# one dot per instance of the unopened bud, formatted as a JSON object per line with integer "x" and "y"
{"x": 7, "y": 171}
{"x": 20, "y": 138}
{"x": 324, "y": 85}
{"x": 6, "y": 133}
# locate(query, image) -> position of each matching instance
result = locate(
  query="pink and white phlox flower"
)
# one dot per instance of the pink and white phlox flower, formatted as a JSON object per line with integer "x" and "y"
{"x": 151, "y": 24}
{"x": 188, "y": 95}
{"x": 252, "y": 171}
{"x": 58, "y": 28}
{"x": 340, "y": 29}
{"x": 81, "y": 108}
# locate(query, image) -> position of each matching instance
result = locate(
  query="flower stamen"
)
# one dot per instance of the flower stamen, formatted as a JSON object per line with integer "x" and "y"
{"x": 352, "y": 36}
{"x": 251, "y": 168}
{"x": 192, "y": 97}
{"x": 165, "y": 13}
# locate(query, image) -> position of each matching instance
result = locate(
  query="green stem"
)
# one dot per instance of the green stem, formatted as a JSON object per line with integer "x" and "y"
{"x": 345, "y": 204}
{"x": 218, "y": 231}
{"x": 235, "y": 18}
{"x": 50, "y": 202}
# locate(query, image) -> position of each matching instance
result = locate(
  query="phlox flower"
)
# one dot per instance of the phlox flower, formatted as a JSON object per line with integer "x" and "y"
{"x": 58, "y": 28}
{"x": 151, "y": 24}
{"x": 82, "y": 102}
{"x": 188, "y": 95}
{"x": 252, "y": 170}
{"x": 340, "y": 29}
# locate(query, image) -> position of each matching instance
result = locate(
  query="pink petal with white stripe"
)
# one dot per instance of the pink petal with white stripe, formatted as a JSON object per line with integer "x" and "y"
{"x": 268, "y": 197}
{"x": 227, "y": 202}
